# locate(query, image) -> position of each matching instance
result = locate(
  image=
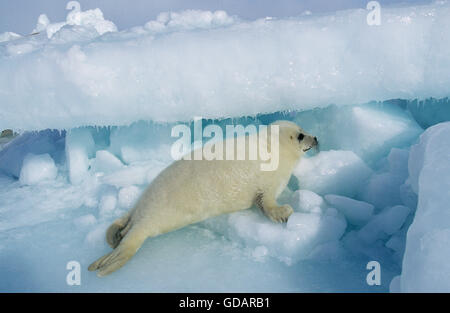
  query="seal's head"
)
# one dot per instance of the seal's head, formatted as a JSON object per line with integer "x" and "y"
{"x": 294, "y": 136}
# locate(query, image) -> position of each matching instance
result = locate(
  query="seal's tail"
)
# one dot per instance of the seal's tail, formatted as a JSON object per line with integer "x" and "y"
{"x": 118, "y": 230}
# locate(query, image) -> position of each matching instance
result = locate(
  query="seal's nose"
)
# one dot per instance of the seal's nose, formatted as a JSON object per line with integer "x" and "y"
{"x": 315, "y": 140}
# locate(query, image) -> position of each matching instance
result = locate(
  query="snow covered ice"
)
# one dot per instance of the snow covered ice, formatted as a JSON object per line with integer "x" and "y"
{"x": 36, "y": 168}
{"x": 94, "y": 107}
{"x": 356, "y": 212}
{"x": 425, "y": 264}
{"x": 228, "y": 68}
{"x": 326, "y": 172}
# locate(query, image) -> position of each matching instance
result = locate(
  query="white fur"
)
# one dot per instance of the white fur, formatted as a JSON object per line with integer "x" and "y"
{"x": 189, "y": 191}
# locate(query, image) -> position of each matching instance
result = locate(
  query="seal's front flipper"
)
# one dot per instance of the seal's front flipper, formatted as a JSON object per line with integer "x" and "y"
{"x": 277, "y": 213}
{"x": 120, "y": 255}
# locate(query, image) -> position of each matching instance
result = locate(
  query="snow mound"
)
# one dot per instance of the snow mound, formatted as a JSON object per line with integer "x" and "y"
{"x": 356, "y": 212}
{"x": 90, "y": 19}
{"x": 333, "y": 172}
{"x": 390, "y": 186}
{"x": 106, "y": 162}
{"x": 8, "y": 36}
{"x": 369, "y": 130}
{"x": 299, "y": 239}
{"x": 128, "y": 196}
{"x": 388, "y": 222}
{"x": 188, "y": 20}
{"x": 13, "y": 153}
{"x": 37, "y": 168}
{"x": 79, "y": 148}
{"x": 307, "y": 201}
{"x": 425, "y": 262}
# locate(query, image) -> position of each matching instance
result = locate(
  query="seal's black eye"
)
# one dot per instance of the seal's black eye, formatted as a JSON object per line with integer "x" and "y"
{"x": 300, "y": 137}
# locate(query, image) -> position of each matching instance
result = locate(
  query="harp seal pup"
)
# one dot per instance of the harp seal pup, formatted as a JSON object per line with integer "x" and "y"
{"x": 189, "y": 191}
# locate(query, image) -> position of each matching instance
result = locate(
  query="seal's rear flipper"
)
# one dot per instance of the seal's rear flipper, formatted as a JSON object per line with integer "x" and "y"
{"x": 118, "y": 229}
{"x": 94, "y": 266}
{"x": 120, "y": 255}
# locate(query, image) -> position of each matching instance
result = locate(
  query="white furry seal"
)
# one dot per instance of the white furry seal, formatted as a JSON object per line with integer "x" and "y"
{"x": 188, "y": 191}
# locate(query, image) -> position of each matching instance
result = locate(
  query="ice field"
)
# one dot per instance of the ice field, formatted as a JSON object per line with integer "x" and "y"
{"x": 94, "y": 107}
